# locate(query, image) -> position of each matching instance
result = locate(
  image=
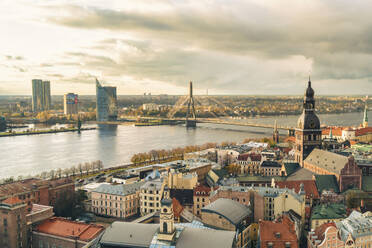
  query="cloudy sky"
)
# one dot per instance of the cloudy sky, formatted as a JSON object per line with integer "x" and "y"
{"x": 226, "y": 46}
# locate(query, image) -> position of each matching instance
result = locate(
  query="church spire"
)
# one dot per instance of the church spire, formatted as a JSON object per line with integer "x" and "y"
{"x": 330, "y": 133}
{"x": 365, "y": 117}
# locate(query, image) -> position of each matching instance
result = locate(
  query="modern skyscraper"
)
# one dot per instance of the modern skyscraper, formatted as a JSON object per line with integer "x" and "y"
{"x": 308, "y": 132}
{"x": 70, "y": 104}
{"x": 41, "y": 99}
{"x": 106, "y": 106}
{"x": 46, "y": 95}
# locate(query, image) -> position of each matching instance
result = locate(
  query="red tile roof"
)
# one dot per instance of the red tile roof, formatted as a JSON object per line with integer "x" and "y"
{"x": 363, "y": 131}
{"x": 310, "y": 188}
{"x": 12, "y": 201}
{"x": 252, "y": 156}
{"x": 336, "y": 131}
{"x": 69, "y": 229}
{"x": 202, "y": 190}
{"x": 278, "y": 233}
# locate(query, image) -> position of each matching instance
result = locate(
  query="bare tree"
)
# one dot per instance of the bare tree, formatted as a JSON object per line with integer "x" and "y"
{"x": 59, "y": 172}
{"x": 44, "y": 175}
{"x": 99, "y": 165}
{"x": 73, "y": 170}
{"x": 52, "y": 174}
{"x": 66, "y": 172}
{"x": 80, "y": 168}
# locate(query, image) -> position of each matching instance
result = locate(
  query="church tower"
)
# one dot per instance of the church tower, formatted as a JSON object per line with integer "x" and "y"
{"x": 167, "y": 229}
{"x": 308, "y": 133}
{"x": 365, "y": 117}
{"x": 276, "y": 133}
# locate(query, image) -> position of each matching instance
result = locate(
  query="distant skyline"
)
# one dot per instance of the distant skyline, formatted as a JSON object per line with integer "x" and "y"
{"x": 226, "y": 46}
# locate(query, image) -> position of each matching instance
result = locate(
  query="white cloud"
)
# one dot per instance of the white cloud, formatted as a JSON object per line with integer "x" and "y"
{"x": 228, "y": 46}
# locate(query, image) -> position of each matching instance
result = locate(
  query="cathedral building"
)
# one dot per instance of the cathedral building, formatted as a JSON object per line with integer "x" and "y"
{"x": 308, "y": 133}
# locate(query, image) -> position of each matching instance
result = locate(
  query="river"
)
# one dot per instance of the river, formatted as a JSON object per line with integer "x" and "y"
{"x": 114, "y": 145}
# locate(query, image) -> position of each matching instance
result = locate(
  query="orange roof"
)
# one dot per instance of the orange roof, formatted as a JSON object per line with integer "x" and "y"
{"x": 12, "y": 201}
{"x": 278, "y": 233}
{"x": 177, "y": 207}
{"x": 310, "y": 188}
{"x": 69, "y": 229}
{"x": 336, "y": 131}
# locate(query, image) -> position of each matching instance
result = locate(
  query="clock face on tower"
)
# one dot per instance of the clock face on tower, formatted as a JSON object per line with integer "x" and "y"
{"x": 312, "y": 124}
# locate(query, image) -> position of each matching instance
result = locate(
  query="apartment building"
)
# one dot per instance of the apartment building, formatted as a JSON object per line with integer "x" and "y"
{"x": 151, "y": 194}
{"x": 121, "y": 201}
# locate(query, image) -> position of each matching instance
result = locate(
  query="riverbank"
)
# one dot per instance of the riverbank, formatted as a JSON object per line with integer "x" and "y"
{"x": 48, "y": 131}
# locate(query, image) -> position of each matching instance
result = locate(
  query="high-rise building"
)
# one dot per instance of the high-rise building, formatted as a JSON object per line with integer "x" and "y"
{"x": 71, "y": 104}
{"x": 308, "y": 133}
{"x": 41, "y": 99}
{"x": 46, "y": 95}
{"x": 106, "y": 107}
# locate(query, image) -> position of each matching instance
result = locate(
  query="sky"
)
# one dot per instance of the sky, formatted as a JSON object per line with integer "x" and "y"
{"x": 244, "y": 47}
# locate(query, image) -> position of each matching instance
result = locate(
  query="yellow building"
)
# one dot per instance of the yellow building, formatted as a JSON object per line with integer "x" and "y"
{"x": 150, "y": 196}
{"x": 119, "y": 201}
{"x": 178, "y": 180}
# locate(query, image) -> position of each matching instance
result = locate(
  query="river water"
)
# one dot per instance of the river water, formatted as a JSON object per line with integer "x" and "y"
{"x": 114, "y": 145}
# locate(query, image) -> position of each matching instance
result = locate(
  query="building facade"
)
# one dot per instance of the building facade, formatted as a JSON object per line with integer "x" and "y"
{"x": 106, "y": 103}
{"x": 120, "y": 201}
{"x": 70, "y": 104}
{"x": 201, "y": 199}
{"x": 41, "y": 99}
{"x": 150, "y": 196}
{"x": 13, "y": 228}
{"x": 308, "y": 133}
{"x": 44, "y": 192}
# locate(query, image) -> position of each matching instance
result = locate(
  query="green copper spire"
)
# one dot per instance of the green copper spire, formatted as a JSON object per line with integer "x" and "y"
{"x": 330, "y": 133}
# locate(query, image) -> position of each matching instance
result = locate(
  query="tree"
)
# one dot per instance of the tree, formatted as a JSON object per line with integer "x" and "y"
{"x": 73, "y": 170}
{"x": 68, "y": 205}
{"x": 52, "y": 174}
{"x": 99, "y": 165}
{"x": 66, "y": 172}
{"x": 59, "y": 172}
{"x": 80, "y": 168}
{"x": 44, "y": 175}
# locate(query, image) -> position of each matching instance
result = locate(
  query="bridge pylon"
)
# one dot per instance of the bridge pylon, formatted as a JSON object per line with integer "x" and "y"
{"x": 190, "y": 114}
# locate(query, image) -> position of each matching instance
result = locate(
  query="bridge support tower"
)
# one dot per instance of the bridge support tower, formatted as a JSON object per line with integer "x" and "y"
{"x": 191, "y": 114}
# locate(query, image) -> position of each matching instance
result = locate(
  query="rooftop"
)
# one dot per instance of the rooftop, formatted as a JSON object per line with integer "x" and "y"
{"x": 129, "y": 234}
{"x": 278, "y": 234}
{"x": 328, "y": 211}
{"x": 120, "y": 189}
{"x": 290, "y": 168}
{"x": 356, "y": 224}
{"x": 329, "y": 161}
{"x": 69, "y": 229}
{"x": 326, "y": 182}
{"x": 310, "y": 188}
{"x": 231, "y": 210}
{"x": 268, "y": 163}
{"x": 153, "y": 185}
{"x": 301, "y": 174}
{"x": 11, "y": 201}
